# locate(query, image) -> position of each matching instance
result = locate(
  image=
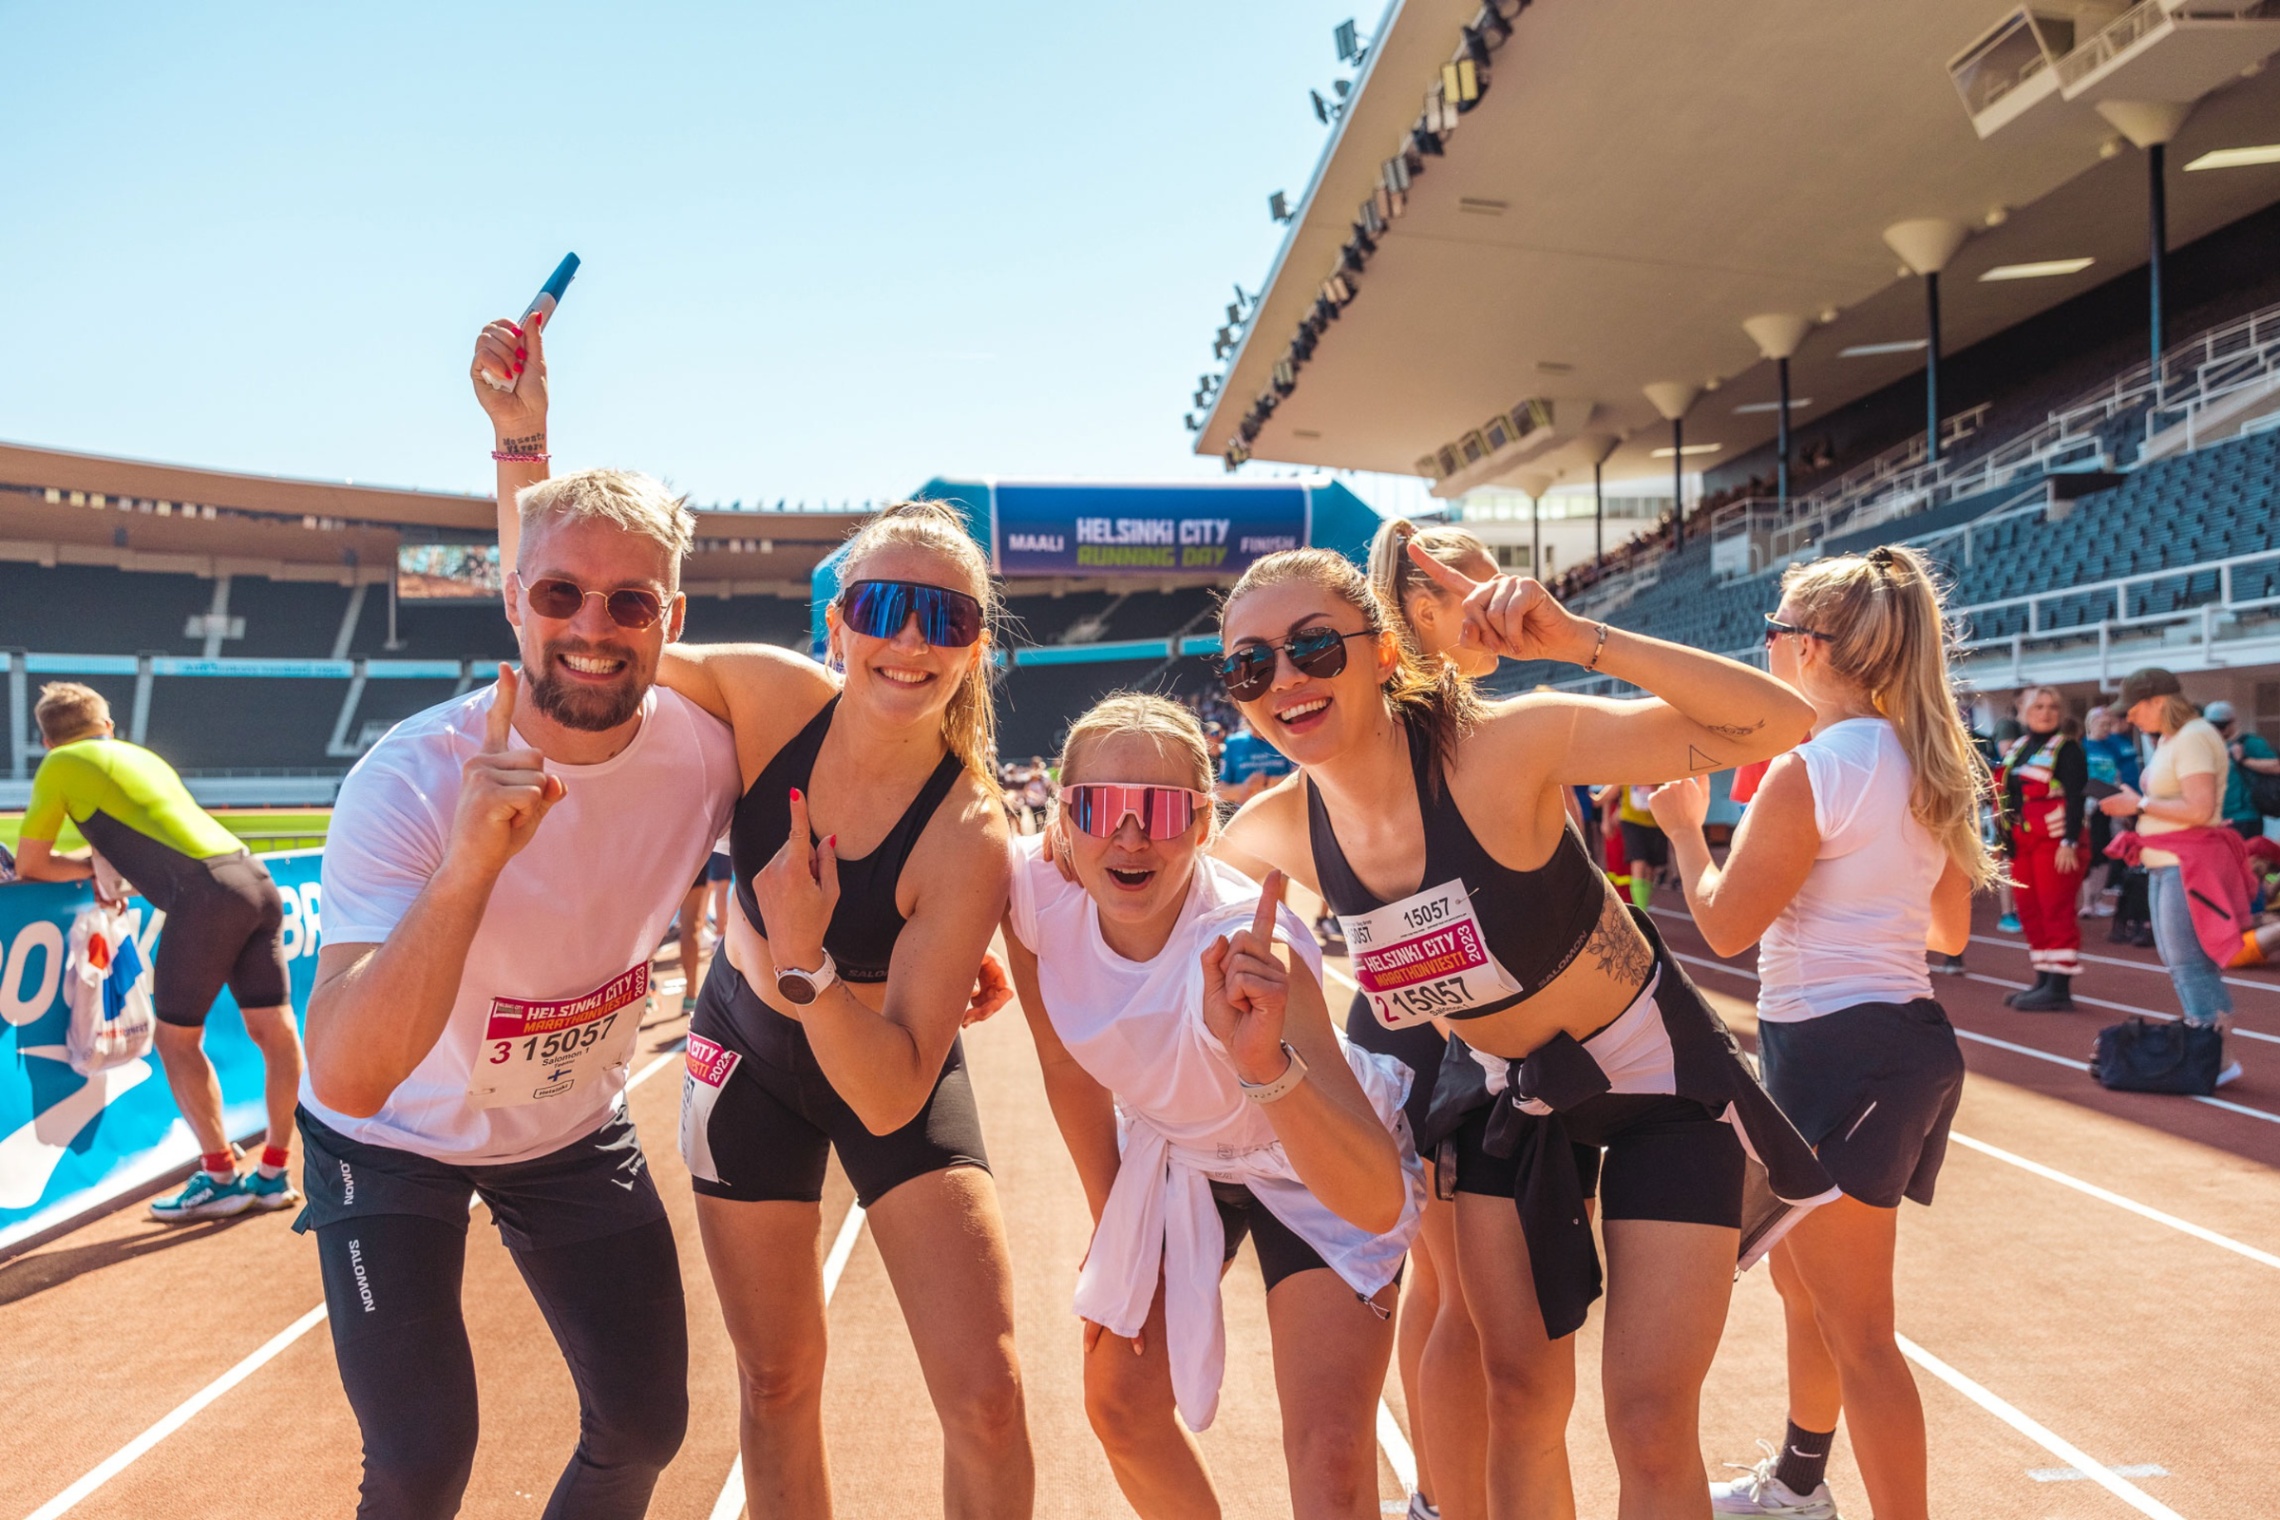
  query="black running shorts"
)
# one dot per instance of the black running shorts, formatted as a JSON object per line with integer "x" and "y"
{"x": 770, "y": 1123}
{"x": 1283, "y": 1252}
{"x": 1666, "y": 1158}
{"x": 1873, "y": 1089}
{"x": 1645, "y": 841}
{"x": 223, "y": 930}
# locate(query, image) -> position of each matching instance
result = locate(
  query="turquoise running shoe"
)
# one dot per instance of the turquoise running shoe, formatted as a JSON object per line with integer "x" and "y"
{"x": 203, "y": 1198}
{"x": 2008, "y": 923}
{"x": 269, "y": 1194}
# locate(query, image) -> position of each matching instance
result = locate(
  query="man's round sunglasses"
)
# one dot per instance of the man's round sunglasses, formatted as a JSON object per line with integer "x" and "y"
{"x": 878, "y": 610}
{"x": 628, "y": 606}
{"x": 1775, "y": 628}
{"x": 1247, "y": 672}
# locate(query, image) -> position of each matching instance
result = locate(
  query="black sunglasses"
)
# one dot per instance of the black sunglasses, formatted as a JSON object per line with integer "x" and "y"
{"x": 1248, "y": 672}
{"x": 628, "y": 606}
{"x": 878, "y": 610}
{"x": 1775, "y": 628}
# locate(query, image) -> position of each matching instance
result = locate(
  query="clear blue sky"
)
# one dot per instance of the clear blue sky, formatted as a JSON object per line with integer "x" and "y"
{"x": 830, "y": 249}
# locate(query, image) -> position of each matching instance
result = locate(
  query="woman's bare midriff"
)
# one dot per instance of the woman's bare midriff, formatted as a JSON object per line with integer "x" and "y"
{"x": 1604, "y": 979}
{"x": 748, "y": 953}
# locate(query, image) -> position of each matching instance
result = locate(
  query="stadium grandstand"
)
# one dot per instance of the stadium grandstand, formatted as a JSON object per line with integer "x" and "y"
{"x": 2028, "y": 317}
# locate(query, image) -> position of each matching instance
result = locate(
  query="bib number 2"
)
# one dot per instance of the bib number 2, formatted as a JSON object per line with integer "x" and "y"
{"x": 1424, "y": 957}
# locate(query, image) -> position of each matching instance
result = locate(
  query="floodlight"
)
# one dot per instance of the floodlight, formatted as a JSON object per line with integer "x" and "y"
{"x": 1321, "y": 107}
{"x": 1425, "y": 143}
{"x": 1278, "y": 207}
{"x": 1460, "y": 83}
{"x": 1349, "y": 42}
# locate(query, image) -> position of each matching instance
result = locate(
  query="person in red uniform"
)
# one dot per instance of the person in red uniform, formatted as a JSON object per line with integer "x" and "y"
{"x": 2045, "y": 776}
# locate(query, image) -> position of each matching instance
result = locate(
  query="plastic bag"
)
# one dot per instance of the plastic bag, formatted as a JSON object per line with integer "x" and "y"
{"x": 111, "y": 1019}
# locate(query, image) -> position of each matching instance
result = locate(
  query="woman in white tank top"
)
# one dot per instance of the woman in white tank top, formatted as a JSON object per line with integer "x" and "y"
{"x": 1859, "y": 852}
{"x": 1203, "y": 1094}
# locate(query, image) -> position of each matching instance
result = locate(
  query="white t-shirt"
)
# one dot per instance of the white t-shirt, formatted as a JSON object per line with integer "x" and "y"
{"x": 1855, "y": 932}
{"x": 2196, "y": 749}
{"x": 570, "y": 925}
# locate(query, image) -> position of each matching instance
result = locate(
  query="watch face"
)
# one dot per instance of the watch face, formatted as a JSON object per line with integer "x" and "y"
{"x": 795, "y": 987}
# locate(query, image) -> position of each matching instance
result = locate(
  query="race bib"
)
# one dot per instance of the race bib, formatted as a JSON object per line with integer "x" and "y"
{"x": 1424, "y": 956}
{"x": 705, "y": 1071}
{"x": 534, "y": 1052}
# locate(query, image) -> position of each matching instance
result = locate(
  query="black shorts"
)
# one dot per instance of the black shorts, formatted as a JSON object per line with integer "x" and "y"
{"x": 1644, "y": 841}
{"x": 715, "y": 868}
{"x": 1665, "y": 1158}
{"x": 1283, "y": 1252}
{"x": 769, "y": 1125}
{"x": 1873, "y": 1089}
{"x": 223, "y": 929}
{"x": 594, "y": 1186}
{"x": 1420, "y": 1047}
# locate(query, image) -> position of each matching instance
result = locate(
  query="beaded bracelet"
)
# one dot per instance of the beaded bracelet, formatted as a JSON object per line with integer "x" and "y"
{"x": 520, "y": 458}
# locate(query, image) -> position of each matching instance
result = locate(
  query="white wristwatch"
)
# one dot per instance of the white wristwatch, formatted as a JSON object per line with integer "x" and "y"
{"x": 804, "y": 987}
{"x": 1268, "y": 1092}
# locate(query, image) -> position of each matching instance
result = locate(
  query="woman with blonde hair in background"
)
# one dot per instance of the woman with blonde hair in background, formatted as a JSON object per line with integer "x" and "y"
{"x": 1860, "y": 850}
{"x": 2046, "y": 779}
{"x": 1436, "y": 825}
{"x": 871, "y": 871}
{"x": 1192, "y": 1068}
{"x": 1438, "y": 1352}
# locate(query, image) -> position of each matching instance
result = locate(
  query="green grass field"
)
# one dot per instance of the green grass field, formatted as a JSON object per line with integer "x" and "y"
{"x": 260, "y": 828}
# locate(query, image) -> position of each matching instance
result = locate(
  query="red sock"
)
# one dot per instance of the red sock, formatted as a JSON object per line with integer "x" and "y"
{"x": 275, "y": 1156}
{"x": 219, "y": 1163}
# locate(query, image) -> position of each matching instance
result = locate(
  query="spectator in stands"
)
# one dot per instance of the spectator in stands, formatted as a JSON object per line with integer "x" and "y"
{"x": 1248, "y": 765}
{"x": 2045, "y": 776}
{"x": 2249, "y": 752}
{"x": 223, "y": 925}
{"x": 2183, "y": 802}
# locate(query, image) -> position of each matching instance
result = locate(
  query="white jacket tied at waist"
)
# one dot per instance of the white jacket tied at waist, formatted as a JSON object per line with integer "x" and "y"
{"x": 1161, "y": 1210}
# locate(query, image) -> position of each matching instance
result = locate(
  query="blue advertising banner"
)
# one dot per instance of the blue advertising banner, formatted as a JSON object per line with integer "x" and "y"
{"x": 68, "y": 1142}
{"x": 1041, "y": 528}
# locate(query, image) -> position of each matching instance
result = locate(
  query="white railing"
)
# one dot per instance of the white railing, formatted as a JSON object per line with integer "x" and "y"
{"x": 2111, "y": 41}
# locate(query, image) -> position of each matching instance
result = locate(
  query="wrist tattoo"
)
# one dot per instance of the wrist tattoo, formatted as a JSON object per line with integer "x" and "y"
{"x": 1734, "y": 730}
{"x": 530, "y": 443}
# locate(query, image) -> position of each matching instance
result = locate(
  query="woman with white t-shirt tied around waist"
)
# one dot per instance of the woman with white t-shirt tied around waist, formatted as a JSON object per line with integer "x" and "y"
{"x": 1204, "y": 1095}
{"x": 1860, "y": 851}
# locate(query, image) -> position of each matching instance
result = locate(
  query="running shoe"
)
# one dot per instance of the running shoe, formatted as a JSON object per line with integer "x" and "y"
{"x": 2008, "y": 923}
{"x": 269, "y": 1194}
{"x": 2230, "y": 1074}
{"x": 204, "y": 1197}
{"x": 1420, "y": 1510}
{"x": 1951, "y": 965}
{"x": 1759, "y": 1492}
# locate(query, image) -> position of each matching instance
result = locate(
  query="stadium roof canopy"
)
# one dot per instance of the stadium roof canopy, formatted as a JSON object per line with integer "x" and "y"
{"x": 1639, "y": 177}
{"x": 90, "y": 509}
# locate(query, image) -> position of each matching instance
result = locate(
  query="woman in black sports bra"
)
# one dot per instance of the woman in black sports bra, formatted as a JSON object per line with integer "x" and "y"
{"x": 871, "y": 870}
{"x": 1433, "y": 824}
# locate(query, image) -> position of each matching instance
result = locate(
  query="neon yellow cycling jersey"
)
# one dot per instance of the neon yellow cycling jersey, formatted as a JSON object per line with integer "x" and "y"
{"x": 129, "y": 787}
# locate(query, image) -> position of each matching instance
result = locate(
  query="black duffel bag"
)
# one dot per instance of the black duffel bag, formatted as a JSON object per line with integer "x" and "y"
{"x": 2157, "y": 1055}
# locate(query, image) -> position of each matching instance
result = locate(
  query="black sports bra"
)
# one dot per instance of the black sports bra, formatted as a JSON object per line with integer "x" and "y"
{"x": 865, "y": 922}
{"x": 1535, "y": 922}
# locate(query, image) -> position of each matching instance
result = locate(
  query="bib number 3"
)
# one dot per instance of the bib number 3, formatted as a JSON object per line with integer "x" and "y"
{"x": 1424, "y": 957}
{"x": 536, "y": 1052}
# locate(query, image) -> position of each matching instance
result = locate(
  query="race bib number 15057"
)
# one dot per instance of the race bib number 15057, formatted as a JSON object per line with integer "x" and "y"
{"x": 534, "y": 1052}
{"x": 1423, "y": 957}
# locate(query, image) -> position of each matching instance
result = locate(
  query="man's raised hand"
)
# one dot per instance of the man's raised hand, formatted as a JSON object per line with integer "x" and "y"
{"x": 1246, "y": 990}
{"x": 509, "y": 376}
{"x": 505, "y": 792}
{"x": 1512, "y": 616}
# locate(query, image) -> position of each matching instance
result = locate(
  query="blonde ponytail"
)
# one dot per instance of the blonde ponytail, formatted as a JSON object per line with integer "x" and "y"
{"x": 1395, "y": 577}
{"x": 1888, "y": 633}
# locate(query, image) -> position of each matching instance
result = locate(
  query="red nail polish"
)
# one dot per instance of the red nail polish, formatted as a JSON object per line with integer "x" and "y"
{"x": 522, "y": 353}
{"x": 795, "y": 794}
{"x": 833, "y": 841}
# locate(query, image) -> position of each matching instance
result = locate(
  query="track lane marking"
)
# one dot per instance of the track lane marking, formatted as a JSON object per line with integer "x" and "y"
{"x": 2042, "y": 1435}
{"x": 182, "y": 1413}
{"x": 2106, "y": 1195}
{"x": 730, "y": 1504}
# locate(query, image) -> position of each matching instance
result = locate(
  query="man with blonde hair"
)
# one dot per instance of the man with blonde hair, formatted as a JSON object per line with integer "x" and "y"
{"x": 223, "y": 926}
{"x": 499, "y": 870}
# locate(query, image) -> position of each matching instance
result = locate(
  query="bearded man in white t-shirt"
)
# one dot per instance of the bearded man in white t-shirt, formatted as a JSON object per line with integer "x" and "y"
{"x": 498, "y": 872}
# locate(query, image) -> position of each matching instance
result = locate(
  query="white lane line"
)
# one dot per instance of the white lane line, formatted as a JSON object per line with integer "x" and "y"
{"x": 2025, "y": 1050}
{"x": 2105, "y": 1195}
{"x": 111, "y": 1466}
{"x": 2042, "y": 1435}
{"x": 730, "y": 1504}
{"x": 2155, "y": 967}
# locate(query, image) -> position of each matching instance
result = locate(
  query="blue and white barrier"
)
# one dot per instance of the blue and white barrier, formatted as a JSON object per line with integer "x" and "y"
{"x": 69, "y": 1143}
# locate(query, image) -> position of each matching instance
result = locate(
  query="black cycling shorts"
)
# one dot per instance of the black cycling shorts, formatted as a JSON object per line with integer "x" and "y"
{"x": 1873, "y": 1089}
{"x": 760, "y": 1129}
{"x": 1420, "y": 1047}
{"x": 223, "y": 929}
{"x": 1666, "y": 1158}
